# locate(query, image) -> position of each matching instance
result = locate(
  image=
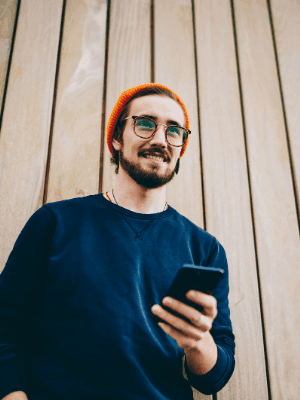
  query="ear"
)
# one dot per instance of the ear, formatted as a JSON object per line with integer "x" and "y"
{"x": 116, "y": 145}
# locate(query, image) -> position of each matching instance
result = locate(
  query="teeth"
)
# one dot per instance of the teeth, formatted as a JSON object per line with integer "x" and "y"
{"x": 155, "y": 158}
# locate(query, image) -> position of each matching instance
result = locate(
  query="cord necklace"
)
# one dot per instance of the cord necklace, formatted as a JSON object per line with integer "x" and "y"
{"x": 112, "y": 191}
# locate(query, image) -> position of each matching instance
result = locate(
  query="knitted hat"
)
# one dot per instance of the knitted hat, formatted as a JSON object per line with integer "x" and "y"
{"x": 123, "y": 100}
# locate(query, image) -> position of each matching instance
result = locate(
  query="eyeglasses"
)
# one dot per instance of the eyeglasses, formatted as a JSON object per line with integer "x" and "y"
{"x": 145, "y": 128}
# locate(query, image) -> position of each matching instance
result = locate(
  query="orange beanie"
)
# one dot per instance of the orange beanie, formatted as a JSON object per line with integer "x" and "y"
{"x": 123, "y": 100}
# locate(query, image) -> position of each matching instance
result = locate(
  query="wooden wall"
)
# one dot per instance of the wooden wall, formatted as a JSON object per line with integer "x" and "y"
{"x": 236, "y": 65}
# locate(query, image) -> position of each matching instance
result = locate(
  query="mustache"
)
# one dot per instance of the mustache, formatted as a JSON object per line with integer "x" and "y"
{"x": 155, "y": 151}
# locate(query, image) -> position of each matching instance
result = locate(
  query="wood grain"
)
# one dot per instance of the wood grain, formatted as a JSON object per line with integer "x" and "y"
{"x": 75, "y": 153}
{"x": 128, "y": 61}
{"x": 273, "y": 198}
{"x": 227, "y": 200}
{"x": 175, "y": 68}
{"x": 8, "y": 9}
{"x": 27, "y": 115}
{"x": 286, "y": 20}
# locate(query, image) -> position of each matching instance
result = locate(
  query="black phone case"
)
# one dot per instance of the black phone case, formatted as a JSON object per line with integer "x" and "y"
{"x": 191, "y": 277}
{"x": 202, "y": 279}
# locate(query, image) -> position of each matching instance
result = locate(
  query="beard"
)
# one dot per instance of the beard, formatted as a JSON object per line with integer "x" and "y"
{"x": 149, "y": 179}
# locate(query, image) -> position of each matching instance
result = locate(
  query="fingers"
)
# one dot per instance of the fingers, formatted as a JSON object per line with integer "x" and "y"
{"x": 188, "y": 312}
{"x": 194, "y": 329}
{"x": 208, "y": 302}
{"x": 183, "y": 340}
{"x": 188, "y": 330}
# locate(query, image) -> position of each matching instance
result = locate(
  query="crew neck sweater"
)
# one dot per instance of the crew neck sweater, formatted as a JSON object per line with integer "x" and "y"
{"x": 75, "y": 304}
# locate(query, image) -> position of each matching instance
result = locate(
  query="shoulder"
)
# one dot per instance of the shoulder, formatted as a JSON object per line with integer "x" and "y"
{"x": 50, "y": 215}
{"x": 195, "y": 230}
{"x": 205, "y": 247}
{"x": 77, "y": 202}
{"x": 72, "y": 206}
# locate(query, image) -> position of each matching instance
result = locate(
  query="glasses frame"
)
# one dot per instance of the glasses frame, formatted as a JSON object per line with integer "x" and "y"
{"x": 134, "y": 117}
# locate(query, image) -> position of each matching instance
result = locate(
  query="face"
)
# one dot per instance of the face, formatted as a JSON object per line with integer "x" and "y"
{"x": 150, "y": 162}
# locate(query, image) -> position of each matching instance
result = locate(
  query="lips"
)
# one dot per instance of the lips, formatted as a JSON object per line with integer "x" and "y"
{"x": 156, "y": 155}
{"x": 156, "y": 158}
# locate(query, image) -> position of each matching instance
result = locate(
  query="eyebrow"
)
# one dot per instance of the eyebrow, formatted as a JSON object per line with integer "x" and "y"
{"x": 169, "y": 121}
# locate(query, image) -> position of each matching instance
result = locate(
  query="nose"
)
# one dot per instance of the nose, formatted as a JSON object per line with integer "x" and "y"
{"x": 160, "y": 136}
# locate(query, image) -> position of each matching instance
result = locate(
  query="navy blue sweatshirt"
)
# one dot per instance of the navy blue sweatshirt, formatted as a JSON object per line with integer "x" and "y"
{"x": 75, "y": 304}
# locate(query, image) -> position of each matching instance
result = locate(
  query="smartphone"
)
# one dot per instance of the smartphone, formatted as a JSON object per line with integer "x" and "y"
{"x": 202, "y": 279}
{"x": 191, "y": 277}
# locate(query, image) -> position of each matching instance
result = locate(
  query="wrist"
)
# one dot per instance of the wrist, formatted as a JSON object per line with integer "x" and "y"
{"x": 202, "y": 358}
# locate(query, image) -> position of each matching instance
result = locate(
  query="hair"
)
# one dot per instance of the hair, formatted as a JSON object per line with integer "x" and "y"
{"x": 120, "y": 124}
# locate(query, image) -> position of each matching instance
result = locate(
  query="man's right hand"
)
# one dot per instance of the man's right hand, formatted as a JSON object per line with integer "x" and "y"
{"x": 16, "y": 396}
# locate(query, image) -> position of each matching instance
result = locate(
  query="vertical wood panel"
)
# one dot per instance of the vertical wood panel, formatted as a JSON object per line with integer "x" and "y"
{"x": 175, "y": 67}
{"x": 75, "y": 153}
{"x": 228, "y": 213}
{"x": 286, "y": 20}
{"x": 8, "y": 9}
{"x": 27, "y": 115}
{"x": 273, "y": 198}
{"x": 128, "y": 59}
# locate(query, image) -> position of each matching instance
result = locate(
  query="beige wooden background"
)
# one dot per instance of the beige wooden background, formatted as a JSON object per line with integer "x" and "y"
{"x": 236, "y": 65}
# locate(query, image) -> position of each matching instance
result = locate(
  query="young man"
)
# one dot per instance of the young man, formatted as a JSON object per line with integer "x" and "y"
{"x": 82, "y": 288}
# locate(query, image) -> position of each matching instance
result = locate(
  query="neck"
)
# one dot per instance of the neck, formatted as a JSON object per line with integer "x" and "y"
{"x": 137, "y": 198}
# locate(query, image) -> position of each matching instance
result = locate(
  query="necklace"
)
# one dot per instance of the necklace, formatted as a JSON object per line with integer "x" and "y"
{"x": 112, "y": 192}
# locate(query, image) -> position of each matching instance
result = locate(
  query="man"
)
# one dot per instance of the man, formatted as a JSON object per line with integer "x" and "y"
{"x": 83, "y": 286}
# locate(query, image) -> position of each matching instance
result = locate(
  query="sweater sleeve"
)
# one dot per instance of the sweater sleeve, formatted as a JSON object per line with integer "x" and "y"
{"x": 221, "y": 331}
{"x": 21, "y": 284}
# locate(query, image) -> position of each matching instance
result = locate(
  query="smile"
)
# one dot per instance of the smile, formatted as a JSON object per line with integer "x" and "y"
{"x": 155, "y": 158}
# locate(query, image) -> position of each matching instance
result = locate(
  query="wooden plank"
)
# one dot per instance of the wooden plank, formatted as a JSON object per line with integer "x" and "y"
{"x": 175, "y": 67}
{"x": 227, "y": 206}
{"x": 286, "y": 20}
{"x": 27, "y": 115}
{"x": 75, "y": 153}
{"x": 275, "y": 215}
{"x": 8, "y": 9}
{"x": 129, "y": 59}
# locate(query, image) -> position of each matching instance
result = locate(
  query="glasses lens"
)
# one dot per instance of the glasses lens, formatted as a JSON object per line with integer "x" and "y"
{"x": 176, "y": 135}
{"x": 144, "y": 127}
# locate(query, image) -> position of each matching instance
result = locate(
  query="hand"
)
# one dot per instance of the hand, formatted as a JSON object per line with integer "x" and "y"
{"x": 188, "y": 334}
